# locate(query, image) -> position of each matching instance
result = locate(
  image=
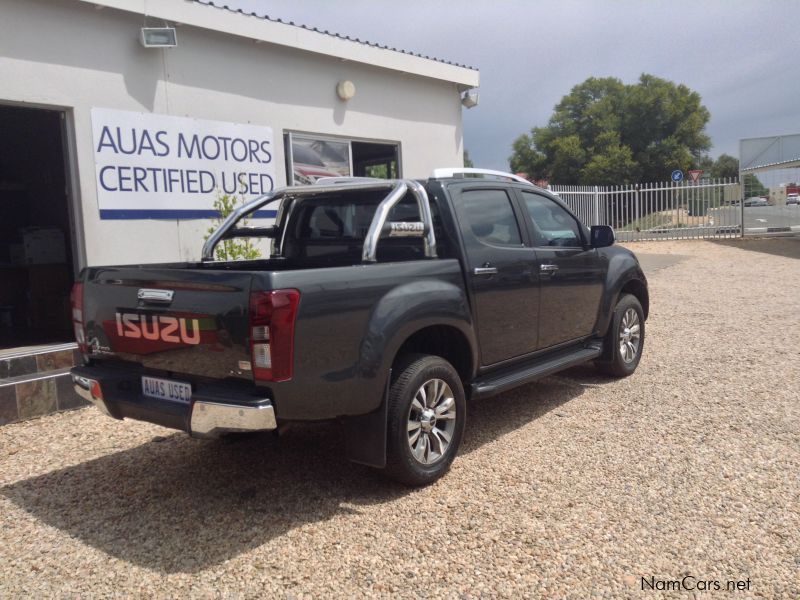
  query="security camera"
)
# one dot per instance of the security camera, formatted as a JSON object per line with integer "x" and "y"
{"x": 469, "y": 99}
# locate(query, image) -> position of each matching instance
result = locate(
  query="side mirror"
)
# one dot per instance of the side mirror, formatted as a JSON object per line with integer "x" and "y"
{"x": 601, "y": 236}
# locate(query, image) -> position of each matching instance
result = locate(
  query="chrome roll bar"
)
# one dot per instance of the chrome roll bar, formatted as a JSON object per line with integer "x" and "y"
{"x": 397, "y": 190}
{"x": 423, "y": 202}
{"x": 369, "y": 253}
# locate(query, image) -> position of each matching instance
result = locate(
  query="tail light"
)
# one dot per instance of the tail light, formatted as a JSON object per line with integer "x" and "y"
{"x": 96, "y": 390}
{"x": 76, "y": 299}
{"x": 272, "y": 317}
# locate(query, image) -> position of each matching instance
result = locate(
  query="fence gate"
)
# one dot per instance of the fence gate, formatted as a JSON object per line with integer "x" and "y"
{"x": 770, "y": 172}
{"x": 654, "y": 211}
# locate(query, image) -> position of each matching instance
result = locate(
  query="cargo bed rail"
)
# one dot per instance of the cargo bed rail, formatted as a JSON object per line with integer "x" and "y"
{"x": 396, "y": 188}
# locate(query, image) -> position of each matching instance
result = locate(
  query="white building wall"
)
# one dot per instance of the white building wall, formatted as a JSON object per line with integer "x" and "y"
{"x": 67, "y": 54}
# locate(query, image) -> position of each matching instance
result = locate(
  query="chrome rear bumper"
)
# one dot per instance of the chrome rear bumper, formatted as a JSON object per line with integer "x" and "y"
{"x": 206, "y": 418}
{"x": 210, "y": 419}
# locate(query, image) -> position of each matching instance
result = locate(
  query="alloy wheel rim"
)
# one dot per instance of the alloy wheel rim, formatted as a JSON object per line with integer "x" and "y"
{"x": 630, "y": 336}
{"x": 431, "y": 421}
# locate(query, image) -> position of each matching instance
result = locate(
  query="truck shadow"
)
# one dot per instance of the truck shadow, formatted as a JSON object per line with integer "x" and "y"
{"x": 176, "y": 504}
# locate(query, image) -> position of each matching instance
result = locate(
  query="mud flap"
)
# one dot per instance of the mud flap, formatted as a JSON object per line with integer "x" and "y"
{"x": 365, "y": 435}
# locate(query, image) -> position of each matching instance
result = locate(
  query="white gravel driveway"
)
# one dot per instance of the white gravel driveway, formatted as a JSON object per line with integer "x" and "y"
{"x": 576, "y": 486}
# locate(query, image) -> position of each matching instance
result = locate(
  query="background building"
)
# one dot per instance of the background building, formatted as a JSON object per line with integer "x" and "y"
{"x": 112, "y": 152}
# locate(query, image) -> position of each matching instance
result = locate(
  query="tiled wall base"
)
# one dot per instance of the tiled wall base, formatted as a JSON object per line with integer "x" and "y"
{"x": 36, "y": 384}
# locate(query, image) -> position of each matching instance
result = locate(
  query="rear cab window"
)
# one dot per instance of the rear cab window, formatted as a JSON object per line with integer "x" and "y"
{"x": 335, "y": 226}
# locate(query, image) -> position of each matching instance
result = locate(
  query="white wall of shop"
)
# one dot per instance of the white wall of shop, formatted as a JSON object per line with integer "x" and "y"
{"x": 70, "y": 55}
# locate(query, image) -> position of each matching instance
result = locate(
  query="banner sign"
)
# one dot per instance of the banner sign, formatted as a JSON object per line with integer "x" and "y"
{"x": 151, "y": 166}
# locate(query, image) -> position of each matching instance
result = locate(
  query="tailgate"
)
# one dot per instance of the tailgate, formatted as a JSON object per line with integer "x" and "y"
{"x": 181, "y": 320}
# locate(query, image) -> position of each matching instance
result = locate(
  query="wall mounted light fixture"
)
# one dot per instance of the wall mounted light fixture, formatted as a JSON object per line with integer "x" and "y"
{"x": 159, "y": 37}
{"x": 345, "y": 89}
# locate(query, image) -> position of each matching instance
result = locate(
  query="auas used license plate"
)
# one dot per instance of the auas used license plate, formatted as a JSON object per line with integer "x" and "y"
{"x": 165, "y": 389}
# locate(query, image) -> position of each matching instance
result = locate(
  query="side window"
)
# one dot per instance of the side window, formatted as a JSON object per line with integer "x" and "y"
{"x": 490, "y": 217}
{"x": 552, "y": 225}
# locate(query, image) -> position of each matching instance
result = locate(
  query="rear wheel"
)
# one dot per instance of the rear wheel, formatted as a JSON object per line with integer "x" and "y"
{"x": 625, "y": 337}
{"x": 427, "y": 412}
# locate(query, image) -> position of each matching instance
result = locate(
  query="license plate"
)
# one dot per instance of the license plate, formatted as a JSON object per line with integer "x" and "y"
{"x": 165, "y": 389}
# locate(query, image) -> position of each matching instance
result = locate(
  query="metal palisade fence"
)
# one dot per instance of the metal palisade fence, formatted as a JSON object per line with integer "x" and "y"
{"x": 653, "y": 211}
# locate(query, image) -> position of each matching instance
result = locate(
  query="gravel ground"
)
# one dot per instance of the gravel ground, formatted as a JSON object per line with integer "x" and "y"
{"x": 573, "y": 487}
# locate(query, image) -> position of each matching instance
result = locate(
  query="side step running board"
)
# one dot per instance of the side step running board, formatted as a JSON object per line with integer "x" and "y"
{"x": 501, "y": 382}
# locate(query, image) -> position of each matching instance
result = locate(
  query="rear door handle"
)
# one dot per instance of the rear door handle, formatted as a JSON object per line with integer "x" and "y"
{"x": 485, "y": 270}
{"x": 548, "y": 268}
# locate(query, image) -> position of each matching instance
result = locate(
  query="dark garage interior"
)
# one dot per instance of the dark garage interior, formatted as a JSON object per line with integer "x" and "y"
{"x": 36, "y": 262}
{"x": 371, "y": 159}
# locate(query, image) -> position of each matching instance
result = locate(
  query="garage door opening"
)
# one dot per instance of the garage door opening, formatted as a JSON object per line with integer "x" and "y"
{"x": 36, "y": 262}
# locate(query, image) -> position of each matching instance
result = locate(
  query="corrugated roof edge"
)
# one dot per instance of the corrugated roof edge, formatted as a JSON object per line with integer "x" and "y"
{"x": 789, "y": 163}
{"x": 212, "y": 4}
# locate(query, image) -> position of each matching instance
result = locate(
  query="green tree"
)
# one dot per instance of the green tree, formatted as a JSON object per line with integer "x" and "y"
{"x": 467, "y": 160}
{"x": 725, "y": 166}
{"x": 568, "y": 157}
{"x": 225, "y": 204}
{"x": 607, "y": 132}
{"x": 527, "y": 159}
{"x": 753, "y": 187}
{"x": 705, "y": 163}
{"x": 614, "y": 163}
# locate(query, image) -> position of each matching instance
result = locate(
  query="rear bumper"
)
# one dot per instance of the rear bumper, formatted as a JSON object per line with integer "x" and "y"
{"x": 213, "y": 410}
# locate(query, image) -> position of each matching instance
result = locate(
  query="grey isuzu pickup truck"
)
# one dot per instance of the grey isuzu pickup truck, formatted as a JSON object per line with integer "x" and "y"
{"x": 385, "y": 305}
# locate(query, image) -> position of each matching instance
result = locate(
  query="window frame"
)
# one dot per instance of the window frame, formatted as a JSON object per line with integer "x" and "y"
{"x": 290, "y": 134}
{"x": 522, "y": 225}
{"x": 528, "y": 218}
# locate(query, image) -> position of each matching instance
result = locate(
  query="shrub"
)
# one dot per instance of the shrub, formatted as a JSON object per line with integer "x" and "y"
{"x": 232, "y": 249}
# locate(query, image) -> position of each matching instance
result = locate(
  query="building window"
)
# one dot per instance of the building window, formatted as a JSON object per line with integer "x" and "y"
{"x": 311, "y": 157}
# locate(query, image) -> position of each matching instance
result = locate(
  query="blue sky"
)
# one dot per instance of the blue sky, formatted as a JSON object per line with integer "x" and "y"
{"x": 742, "y": 57}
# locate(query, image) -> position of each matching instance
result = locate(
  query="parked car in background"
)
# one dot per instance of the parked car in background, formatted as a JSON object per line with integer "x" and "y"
{"x": 793, "y": 199}
{"x": 756, "y": 201}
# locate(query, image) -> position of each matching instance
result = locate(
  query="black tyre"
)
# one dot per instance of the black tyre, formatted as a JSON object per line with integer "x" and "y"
{"x": 625, "y": 337}
{"x": 427, "y": 413}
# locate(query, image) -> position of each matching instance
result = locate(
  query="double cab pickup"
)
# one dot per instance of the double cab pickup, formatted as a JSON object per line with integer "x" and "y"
{"x": 384, "y": 305}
